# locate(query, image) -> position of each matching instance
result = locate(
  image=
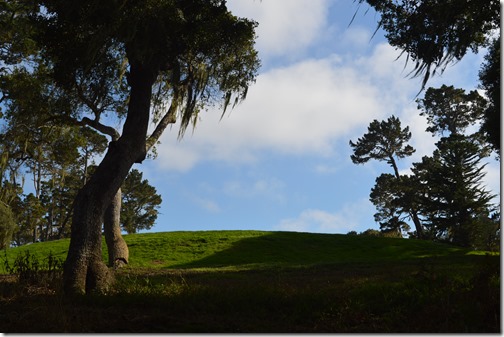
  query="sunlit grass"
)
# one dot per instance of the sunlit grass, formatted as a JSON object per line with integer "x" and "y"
{"x": 240, "y": 250}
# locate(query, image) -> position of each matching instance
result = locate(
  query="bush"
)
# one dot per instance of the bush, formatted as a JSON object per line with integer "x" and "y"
{"x": 371, "y": 232}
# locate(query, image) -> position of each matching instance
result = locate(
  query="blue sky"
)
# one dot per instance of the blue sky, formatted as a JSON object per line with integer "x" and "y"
{"x": 281, "y": 160}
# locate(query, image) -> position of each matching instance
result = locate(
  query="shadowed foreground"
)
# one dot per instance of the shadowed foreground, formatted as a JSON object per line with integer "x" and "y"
{"x": 249, "y": 286}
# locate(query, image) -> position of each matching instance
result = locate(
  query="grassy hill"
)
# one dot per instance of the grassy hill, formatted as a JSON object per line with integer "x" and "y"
{"x": 255, "y": 281}
{"x": 256, "y": 249}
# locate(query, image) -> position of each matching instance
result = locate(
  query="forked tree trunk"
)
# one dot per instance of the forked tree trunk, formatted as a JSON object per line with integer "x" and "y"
{"x": 84, "y": 269}
{"x": 118, "y": 252}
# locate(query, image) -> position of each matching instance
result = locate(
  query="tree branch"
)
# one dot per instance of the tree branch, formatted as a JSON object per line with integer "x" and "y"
{"x": 105, "y": 129}
{"x": 169, "y": 118}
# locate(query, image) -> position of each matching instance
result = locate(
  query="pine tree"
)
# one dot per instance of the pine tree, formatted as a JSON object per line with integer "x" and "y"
{"x": 388, "y": 141}
{"x": 453, "y": 199}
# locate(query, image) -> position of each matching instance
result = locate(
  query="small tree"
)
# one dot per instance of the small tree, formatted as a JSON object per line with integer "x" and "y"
{"x": 387, "y": 141}
{"x": 140, "y": 203}
{"x": 30, "y": 217}
{"x": 392, "y": 212}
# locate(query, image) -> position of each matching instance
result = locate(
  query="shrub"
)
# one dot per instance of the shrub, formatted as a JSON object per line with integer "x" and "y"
{"x": 371, "y": 232}
{"x": 29, "y": 269}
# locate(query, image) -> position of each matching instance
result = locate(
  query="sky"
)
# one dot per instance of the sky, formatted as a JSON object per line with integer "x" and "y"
{"x": 280, "y": 161}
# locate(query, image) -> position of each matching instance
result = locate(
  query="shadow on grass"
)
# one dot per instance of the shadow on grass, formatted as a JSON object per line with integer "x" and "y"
{"x": 289, "y": 249}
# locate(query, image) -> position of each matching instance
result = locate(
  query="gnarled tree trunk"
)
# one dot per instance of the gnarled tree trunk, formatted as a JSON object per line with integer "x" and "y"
{"x": 118, "y": 252}
{"x": 84, "y": 269}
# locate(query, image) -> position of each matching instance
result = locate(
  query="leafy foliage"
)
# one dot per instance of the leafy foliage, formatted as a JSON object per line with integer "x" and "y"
{"x": 28, "y": 267}
{"x": 140, "y": 203}
{"x": 389, "y": 197}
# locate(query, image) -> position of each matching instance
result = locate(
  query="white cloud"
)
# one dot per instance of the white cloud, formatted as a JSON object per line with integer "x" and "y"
{"x": 298, "y": 109}
{"x": 320, "y": 221}
{"x": 285, "y": 27}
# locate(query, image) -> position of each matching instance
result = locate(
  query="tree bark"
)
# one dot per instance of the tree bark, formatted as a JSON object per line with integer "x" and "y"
{"x": 418, "y": 224}
{"x": 118, "y": 252}
{"x": 84, "y": 269}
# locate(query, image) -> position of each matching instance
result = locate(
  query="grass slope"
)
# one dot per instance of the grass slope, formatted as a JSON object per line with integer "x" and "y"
{"x": 254, "y": 281}
{"x": 255, "y": 249}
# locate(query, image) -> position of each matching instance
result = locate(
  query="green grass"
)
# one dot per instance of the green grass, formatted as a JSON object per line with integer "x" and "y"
{"x": 241, "y": 250}
{"x": 255, "y": 281}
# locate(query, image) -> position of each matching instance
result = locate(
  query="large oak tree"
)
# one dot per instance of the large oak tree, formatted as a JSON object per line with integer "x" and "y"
{"x": 165, "y": 60}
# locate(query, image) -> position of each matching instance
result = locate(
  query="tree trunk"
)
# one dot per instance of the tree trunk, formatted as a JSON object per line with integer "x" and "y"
{"x": 84, "y": 270}
{"x": 418, "y": 224}
{"x": 118, "y": 252}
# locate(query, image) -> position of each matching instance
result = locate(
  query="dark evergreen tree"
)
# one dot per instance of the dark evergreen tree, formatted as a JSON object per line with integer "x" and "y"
{"x": 387, "y": 141}
{"x": 453, "y": 200}
{"x": 385, "y": 195}
{"x": 451, "y": 110}
{"x": 451, "y": 193}
{"x": 7, "y": 225}
{"x": 490, "y": 75}
{"x": 384, "y": 141}
{"x": 140, "y": 203}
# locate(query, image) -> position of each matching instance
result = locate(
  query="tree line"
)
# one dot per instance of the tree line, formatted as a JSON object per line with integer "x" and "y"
{"x": 444, "y": 196}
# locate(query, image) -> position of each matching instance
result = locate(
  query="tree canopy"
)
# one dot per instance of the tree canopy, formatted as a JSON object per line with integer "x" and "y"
{"x": 145, "y": 61}
{"x": 433, "y": 33}
{"x": 385, "y": 140}
{"x": 444, "y": 196}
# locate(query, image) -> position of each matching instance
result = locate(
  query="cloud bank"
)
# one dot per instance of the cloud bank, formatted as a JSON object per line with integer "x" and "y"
{"x": 297, "y": 109}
